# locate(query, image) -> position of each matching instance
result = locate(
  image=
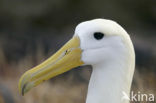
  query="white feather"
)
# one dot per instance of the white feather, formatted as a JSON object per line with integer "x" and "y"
{"x": 112, "y": 59}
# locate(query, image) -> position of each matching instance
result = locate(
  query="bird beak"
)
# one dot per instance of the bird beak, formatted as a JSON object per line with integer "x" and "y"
{"x": 68, "y": 57}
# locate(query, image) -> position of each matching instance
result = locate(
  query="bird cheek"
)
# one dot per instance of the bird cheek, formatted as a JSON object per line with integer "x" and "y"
{"x": 89, "y": 57}
{"x": 86, "y": 58}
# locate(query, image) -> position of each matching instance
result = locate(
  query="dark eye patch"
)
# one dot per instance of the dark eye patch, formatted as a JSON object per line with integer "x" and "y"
{"x": 98, "y": 35}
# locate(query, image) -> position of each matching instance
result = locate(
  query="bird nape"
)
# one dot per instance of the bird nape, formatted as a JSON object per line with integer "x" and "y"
{"x": 104, "y": 45}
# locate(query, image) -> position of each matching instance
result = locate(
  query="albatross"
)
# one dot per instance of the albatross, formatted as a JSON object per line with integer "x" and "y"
{"x": 104, "y": 45}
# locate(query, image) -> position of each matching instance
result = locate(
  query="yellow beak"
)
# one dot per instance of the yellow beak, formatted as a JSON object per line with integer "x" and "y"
{"x": 68, "y": 57}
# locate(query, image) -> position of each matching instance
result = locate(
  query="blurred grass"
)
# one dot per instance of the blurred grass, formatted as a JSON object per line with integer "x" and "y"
{"x": 64, "y": 88}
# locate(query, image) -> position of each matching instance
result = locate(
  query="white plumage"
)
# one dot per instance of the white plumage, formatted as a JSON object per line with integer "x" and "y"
{"x": 112, "y": 59}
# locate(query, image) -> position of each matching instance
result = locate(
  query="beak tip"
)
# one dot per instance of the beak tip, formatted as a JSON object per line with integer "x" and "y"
{"x": 22, "y": 90}
{"x": 22, "y": 94}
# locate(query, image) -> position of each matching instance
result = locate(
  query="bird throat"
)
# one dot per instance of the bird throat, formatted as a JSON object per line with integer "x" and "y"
{"x": 107, "y": 83}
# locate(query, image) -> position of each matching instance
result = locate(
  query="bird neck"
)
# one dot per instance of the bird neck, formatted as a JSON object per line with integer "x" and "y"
{"x": 108, "y": 82}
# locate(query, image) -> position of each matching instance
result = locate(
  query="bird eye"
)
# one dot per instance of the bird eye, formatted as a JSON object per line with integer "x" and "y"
{"x": 98, "y": 35}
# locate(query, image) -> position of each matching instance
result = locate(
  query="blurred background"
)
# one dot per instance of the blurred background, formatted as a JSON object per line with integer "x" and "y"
{"x": 32, "y": 30}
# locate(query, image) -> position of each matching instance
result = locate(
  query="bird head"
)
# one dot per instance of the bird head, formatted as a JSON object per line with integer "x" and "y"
{"x": 94, "y": 42}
